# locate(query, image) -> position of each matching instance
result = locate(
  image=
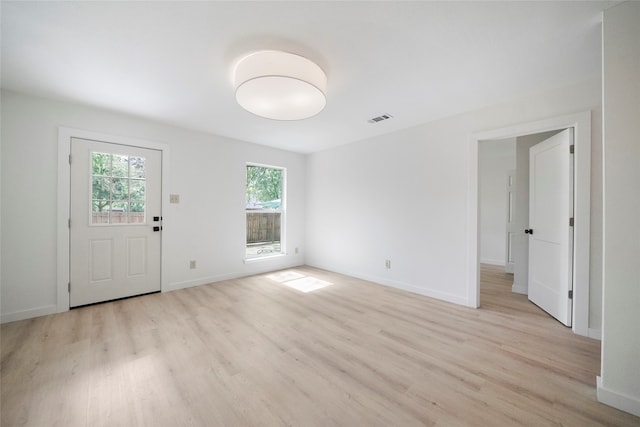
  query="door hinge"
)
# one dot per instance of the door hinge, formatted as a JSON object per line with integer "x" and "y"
{"x": 571, "y": 294}
{"x": 69, "y": 158}
{"x": 572, "y": 149}
{"x": 570, "y": 222}
{"x": 69, "y": 223}
{"x": 69, "y": 287}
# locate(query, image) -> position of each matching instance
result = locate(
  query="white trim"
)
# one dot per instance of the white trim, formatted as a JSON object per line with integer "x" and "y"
{"x": 266, "y": 257}
{"x": 581, "y": 122}
{"x": 444, "y": 296}
{"x": 173, "y": 286}
{"x": 28, "y": 314}
{"x": 519, "y": 289}
{"x": 617, "y": 400}
{"x": 64, "y": 197}
{"x": 595, "y": 333}
{"x": 62, "y": 220}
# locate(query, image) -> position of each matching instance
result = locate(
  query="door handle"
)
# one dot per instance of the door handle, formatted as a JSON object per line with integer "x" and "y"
{"x": 528, "y": 231}
{"x": 156, "y": 228}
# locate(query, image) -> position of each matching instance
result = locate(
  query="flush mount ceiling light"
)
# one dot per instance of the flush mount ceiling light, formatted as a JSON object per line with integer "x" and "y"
{"x": 280, "y": 85}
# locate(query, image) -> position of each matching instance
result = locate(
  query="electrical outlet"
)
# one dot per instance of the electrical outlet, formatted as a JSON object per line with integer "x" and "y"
{"x": 387, "y": 264}
{"x": 192, "y": 264}
{"x": 174, "y": 198}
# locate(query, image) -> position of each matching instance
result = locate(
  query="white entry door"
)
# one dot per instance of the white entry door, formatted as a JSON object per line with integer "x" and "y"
{"x": 115, "y": 221}
{"x": 550, "y": 231}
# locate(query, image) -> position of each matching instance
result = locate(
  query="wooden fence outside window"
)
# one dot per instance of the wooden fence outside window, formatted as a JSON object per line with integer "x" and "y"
{"x": 263, "y": 227}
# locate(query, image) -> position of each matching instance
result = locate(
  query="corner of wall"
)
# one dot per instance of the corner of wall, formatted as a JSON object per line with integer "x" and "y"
{"x": 616, "y": 399}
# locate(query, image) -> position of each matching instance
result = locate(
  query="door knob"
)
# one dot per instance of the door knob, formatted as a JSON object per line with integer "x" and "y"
{"x": 528, "y": 231}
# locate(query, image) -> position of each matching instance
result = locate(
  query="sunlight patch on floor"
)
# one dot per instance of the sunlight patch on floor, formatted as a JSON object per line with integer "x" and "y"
{"x": 298, "y": 281}
{"x": 285, "y": 276}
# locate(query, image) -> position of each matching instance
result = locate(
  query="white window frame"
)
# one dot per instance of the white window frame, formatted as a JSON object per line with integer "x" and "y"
{"x": 282, "y": 211}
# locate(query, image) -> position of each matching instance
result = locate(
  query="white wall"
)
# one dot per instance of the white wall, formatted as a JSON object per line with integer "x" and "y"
{"x": 208, "y": 224}
{"x": 495, "y": 159}
{"x": 403, "y": 196}
{"x": 619, "y": 384}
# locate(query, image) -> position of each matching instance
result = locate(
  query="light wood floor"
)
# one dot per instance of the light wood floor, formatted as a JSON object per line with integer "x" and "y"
{"x": 255, "y": 352}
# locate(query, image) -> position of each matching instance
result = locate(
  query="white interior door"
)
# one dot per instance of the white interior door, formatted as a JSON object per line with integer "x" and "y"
{"x": 550, "y": 232}
{"x": 509, "y": 263}
{"x": 115, "y": 221}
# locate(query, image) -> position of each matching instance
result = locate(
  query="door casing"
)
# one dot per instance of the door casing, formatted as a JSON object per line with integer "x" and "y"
{"x": 581, "y": 122}
{"x": 64, "y": 197}
{"x": 510, "y": 226}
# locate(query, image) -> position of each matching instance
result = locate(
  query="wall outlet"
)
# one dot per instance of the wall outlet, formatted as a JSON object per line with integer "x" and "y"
{"x": 192, "y": 264}
{"x": 174, "y": 198}
{"x": 387, "y": 264}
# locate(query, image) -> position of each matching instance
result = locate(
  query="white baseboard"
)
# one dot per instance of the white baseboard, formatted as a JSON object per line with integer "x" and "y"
{"x": 257, "y": 269}
{"x": 455, "y": 299}
{"x": 595, "y": 333}
{"x": 520, "y": 289}
{"x": 492, "y": 261}
{"x": 200, "y": 281}
{"x": 28, "y": 314}
{"x": 620, "y": 401}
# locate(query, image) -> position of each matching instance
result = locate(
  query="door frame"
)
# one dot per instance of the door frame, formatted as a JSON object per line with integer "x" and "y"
{"x": 65, "y": 135}
{"x": 511, "y": 178}
{"x": 581, "y": 122}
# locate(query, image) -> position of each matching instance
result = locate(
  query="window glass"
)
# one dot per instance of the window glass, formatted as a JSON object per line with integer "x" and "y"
{"x": 117, "y": 189}
{"x": 264, "y": 210}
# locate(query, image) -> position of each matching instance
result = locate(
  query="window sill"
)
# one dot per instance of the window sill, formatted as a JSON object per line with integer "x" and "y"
{"x": 263, "y": 258}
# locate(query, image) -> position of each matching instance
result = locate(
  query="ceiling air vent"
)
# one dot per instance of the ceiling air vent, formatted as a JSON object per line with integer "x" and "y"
{"x": 380, "y": 118}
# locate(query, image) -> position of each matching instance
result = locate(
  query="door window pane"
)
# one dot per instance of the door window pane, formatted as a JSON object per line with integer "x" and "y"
{"x": 101, "y": 164}
{"x": 137, "y": 194}
{"x": 119, "y": 165}
{"x": 118, "y": 187}
{"x": 101, "y": 188}
{"x": 100, "y": 211}
{"x": 136, "y": 167}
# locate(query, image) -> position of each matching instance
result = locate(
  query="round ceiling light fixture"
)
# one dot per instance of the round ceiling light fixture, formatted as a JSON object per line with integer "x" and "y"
{"x": 280, "y": 85}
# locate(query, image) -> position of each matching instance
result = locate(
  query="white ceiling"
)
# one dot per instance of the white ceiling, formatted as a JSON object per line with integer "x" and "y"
{"x": 418, "y": 61}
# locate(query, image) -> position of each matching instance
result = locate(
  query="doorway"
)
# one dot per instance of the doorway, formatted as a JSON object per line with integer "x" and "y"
{"x": 581, "y": 123}
{"x": 128, "y": 209}
{"x": 115, "y": 221}
{"x": 508, "y": 169}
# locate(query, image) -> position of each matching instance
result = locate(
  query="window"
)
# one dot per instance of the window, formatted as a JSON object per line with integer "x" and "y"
{"x": 117, "y": 189}
{"x": 264, "y": 210}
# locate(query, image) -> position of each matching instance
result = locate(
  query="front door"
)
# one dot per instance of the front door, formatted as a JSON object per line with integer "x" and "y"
{"x": 115, "y": 220}
{"x": 550, "y": 231}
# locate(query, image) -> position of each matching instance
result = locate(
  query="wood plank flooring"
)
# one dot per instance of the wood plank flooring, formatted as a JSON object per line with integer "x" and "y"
{"x": 253, "y": 351}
